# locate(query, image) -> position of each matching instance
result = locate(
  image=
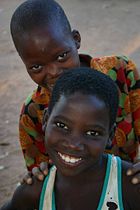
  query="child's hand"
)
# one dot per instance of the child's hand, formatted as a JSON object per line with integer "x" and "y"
{"x": 135, "y": 172}
{"x": 41, "y": 171}
{"x": 37, "y": 172}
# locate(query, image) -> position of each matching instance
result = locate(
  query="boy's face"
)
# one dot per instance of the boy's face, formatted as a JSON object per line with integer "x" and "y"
{"x": 77, "y": 132}
{"x": 47, "y": 53}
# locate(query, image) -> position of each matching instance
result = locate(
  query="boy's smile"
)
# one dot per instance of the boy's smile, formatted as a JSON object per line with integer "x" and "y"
{"x": 47, "y": 54}
{"x": 69, "y": 159}
{"x": 77, "y": 132}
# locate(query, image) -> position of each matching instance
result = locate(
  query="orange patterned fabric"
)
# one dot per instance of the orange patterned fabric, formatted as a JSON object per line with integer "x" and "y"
{"x": 123, "y": 71}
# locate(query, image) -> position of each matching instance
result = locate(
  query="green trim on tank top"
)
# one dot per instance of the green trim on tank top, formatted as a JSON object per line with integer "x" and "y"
{"x": 119, "y": 176}
{"x": 43, "y": 193}
{"x": 109, "y": 160}
{"x": 105, "y": 182}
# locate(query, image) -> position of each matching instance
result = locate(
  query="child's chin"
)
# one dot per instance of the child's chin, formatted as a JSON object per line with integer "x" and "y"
{"x": 68, "y": 172}
{"x": 50, "y": 87}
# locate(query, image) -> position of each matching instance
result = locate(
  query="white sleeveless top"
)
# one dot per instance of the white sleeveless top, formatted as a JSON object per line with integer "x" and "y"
{"x": 111, "y": 195}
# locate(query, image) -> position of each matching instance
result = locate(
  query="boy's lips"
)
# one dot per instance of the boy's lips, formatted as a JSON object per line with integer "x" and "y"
{"x": 52, "y": 80}
{"x": 50, "y": 83}
{"x": 50, "y": 86}
{"x": 69, "y": 159}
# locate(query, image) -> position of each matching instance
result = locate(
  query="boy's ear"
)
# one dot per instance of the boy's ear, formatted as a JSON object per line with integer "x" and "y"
{"x": 77, "y": 38}
{"x": 111, "y": 136}
{"x": 45, "y": 119}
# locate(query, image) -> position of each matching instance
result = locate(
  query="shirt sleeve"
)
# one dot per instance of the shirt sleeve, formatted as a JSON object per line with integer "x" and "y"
{"x": 31, "y": 135}
{"x": 128, "y": 81}
{"x": 125, "y": 74}
{"x": 133, "y": 79}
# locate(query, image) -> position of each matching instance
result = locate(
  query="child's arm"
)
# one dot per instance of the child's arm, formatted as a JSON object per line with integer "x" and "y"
{"x": 125, "y": 74}
{"x": 7, "y": 206}
{"x": 134, "y": 95}
{"x": 131, "y": 193}
{"x": 31, "y": 135}
{"x": 133, "y": 78}
{"x": 25, "y": 197}
{"x": 17, "y": 202}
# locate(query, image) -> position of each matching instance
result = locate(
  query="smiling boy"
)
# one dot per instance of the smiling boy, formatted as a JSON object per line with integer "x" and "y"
{"x": 48, "y": 46}
{"x": 81, "y": 122}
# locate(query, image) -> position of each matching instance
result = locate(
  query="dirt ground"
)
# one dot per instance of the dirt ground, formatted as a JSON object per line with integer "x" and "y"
{"x": 107, "y": 27}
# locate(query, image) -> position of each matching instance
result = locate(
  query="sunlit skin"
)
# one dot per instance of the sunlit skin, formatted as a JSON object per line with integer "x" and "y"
{"x": 76, "y": 135}
{"x": 47, "y": 53}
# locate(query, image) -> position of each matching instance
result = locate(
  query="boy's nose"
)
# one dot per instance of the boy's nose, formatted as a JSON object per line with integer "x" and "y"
{"x": 53, "y": 71}
{"x": 74, "y": 144}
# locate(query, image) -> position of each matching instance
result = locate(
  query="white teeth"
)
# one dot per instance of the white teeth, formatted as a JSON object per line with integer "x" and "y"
{"x": 68, "y": 158}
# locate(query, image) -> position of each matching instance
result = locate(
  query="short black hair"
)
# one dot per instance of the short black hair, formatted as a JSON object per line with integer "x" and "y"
{"x": 37, "y": 13}
{"x": 87, "y": 81}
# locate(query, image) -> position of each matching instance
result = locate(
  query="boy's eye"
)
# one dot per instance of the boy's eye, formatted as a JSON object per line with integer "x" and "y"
{"x": 92, "y": 133}
{"x": 36, "y": 67}
{"x": 61, "y": 125}
{"x": 62, "y": 56}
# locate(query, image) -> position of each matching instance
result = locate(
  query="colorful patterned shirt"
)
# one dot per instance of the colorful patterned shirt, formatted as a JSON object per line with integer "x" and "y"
{"x": 127, "y": 135}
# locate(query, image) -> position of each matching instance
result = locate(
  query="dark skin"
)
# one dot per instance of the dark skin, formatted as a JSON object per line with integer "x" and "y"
{"x": 27, "y": 197}
{"x": 85, "y": 199}
{"x": 46, "y": 54}
{"x": 45, "y": 59}
{"x": 82, "y": 180}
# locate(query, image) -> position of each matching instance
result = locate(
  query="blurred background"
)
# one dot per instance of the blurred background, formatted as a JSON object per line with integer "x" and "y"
{"x": 106, "y": 26}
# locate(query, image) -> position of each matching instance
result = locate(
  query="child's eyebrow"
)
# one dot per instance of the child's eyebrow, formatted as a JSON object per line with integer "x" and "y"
{"x": 87, "y": 126}
{"x": 95, "y": 126}
{"x": 62, "y": 50}
{"x": 61, "y": 117}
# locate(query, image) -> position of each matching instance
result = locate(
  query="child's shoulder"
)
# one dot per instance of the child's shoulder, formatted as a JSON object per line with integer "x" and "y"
{"x": 106, "y": 63}
{"x": 130, "y": 191}
{"x": 27, "y": 196}
{"x": 39, "y": 96}
{"x": 113, "y": 59}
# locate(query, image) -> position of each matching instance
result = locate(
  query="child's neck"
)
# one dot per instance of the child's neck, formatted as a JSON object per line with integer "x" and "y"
{"x": 85, "y": 60}
{"x": 82, "y": 191}
{"x": 89, "y": 175}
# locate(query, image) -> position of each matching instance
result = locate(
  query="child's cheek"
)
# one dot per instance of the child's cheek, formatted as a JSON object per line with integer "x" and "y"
{"x": 96, "y": 148}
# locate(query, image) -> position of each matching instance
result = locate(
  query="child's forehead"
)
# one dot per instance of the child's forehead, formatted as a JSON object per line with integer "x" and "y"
{"x": 82, "y": 107}
{"x": 43, "y": 37}
{"x": 47, "y": 31}
{"x": 81, "y": 98}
